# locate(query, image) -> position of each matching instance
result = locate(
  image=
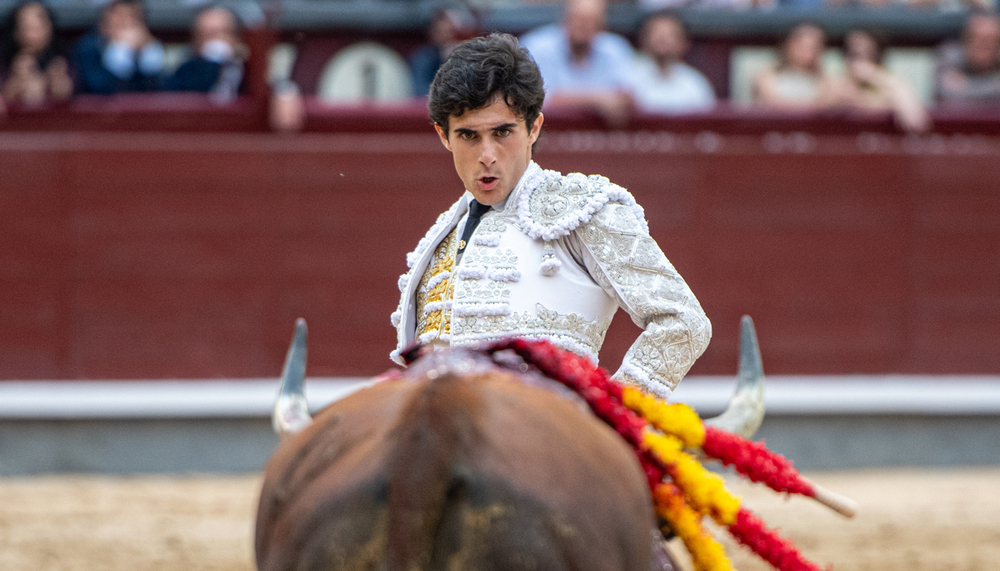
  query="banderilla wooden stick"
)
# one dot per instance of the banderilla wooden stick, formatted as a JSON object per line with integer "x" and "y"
{"x": 841, "y": 504}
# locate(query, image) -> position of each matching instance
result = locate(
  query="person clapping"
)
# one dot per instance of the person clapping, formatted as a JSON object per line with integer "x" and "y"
{"x": 217, "y": 59}
{"x": 121, "y": 54}
{"x": 868, "y": 86}
{"x": 33, "y": 68}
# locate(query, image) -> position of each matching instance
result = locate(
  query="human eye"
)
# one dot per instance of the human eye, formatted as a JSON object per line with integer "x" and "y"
{"x": 467, "y": 135}
{"x": 503, "y": 132}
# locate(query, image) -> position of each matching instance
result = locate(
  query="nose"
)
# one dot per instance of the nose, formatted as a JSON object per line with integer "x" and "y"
{"x": 487, "y": 154}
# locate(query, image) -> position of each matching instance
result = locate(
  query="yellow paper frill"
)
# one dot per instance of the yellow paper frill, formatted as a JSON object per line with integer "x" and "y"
{"x": 678, "y": 420}
{"x": 707, "y": 554}
{"x": 707, "y": 491}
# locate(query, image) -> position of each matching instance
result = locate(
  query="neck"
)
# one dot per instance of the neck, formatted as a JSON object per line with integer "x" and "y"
{"x": 983, "y": 70}
{"x": 579, "y": 52}
{"x": 664, "y": 63}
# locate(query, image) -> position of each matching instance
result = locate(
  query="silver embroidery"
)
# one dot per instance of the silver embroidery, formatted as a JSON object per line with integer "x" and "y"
{"x": 558, "y": 205}
{"x": 629, "y": 266}
{"x": 551, "y": 203}
{"x": 570, "y": 331}
{"x": 632, "y": 266}
{"x": 490, "y": 257}
{"x": 493, "y": 224}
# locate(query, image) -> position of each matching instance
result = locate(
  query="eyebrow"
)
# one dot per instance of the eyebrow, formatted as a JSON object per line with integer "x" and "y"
{"x": 460, "y": 131}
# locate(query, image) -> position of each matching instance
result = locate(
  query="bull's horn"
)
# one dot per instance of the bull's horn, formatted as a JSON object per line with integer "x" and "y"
{"x": 746, "y": 409}
{"x": 291, "y": 411}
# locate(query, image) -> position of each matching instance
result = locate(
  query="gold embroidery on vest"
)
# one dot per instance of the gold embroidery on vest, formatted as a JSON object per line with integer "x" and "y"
{"x": 438, "y": 276}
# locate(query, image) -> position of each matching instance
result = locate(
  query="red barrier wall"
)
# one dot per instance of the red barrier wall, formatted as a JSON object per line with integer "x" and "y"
{"x": 146, "y": 255}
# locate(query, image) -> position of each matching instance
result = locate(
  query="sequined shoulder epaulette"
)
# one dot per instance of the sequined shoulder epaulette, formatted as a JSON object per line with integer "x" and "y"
{"x": 552, "y": 205}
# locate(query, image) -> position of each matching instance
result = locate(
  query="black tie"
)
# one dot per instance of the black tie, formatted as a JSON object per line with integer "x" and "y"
{"x": 476, "y": 211}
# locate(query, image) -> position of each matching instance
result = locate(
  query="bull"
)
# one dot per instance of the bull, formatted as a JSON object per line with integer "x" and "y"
{"x": 466, "y": 461}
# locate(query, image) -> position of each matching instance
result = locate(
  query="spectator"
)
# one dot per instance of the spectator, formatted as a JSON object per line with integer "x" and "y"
{"x": 661, "y": 81}
{"x": 798, "y": 82}
{"x": 868, "y": 85}
{"x": 448, "y": 27}
{"x": 968, "y": 73}
{"x": 949, "y": 5}
{"x": 216, "y": 65}
{"x": 654, "y": 5}
{"x": 121, "y": 54}
{"x": 287, "y": 109}
{"x": 33, "y": 66}
{"x": 581, "y": 64}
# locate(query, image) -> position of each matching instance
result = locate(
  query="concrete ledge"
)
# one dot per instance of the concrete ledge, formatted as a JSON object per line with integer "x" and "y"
{"x": 855, "y": 394}
{"x": 216, "y": 426}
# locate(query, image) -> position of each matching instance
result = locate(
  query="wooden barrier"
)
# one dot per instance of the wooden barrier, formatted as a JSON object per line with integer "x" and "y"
{"x": 152, "y": 255}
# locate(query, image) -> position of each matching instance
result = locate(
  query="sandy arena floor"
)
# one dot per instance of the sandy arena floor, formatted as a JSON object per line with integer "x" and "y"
{"x": 910, "y": 520}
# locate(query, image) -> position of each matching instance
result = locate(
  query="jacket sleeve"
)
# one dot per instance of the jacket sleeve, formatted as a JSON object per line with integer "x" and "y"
{"x": 93, "y": 77}
{"x": 628, "y": 264}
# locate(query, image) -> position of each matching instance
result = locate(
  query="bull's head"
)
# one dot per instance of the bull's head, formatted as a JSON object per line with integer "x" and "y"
{"x": 742, "y": 416}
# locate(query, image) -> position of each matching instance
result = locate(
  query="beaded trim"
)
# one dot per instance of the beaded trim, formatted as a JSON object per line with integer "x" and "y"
{"x": 439, "y": 225}
{"x": 554, "y": 209}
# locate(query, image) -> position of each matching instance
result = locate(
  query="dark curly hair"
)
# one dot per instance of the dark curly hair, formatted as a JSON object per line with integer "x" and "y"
{"x": 480, "y": 69}
{"x": 9, "y": 47}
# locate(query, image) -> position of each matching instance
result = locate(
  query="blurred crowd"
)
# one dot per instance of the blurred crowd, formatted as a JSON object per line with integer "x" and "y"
{"x": 119, "y": 55}
{"x": 584, "y": 66}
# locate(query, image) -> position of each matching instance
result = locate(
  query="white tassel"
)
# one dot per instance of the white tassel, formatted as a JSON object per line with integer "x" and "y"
{"x": 550, "y": 267}
{"x": 550, "y": 263}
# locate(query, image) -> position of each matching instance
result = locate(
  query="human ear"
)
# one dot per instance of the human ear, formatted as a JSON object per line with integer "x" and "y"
{"x": 536, "y": 129}
{"x": 443, "y": 136}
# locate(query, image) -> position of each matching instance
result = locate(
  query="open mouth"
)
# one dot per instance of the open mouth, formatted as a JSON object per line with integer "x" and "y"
{"x": 488, "y": 179}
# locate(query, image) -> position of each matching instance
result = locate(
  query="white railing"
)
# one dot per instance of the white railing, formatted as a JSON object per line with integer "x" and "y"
{"x": 785, "y": 395}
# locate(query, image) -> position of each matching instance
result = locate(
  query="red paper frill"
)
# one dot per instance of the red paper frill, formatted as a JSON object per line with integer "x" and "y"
{"x": 779, "y": 552}
{"x": 755, "y": 461}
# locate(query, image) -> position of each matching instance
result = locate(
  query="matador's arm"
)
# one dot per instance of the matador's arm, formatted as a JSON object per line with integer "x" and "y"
{"x": 628, "y": 264}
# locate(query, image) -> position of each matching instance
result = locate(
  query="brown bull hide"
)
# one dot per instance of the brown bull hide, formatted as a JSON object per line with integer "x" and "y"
{"x": 460, "y": 472}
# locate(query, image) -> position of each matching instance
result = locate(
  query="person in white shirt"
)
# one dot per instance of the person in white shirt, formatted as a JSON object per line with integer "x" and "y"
{"x": 662, "y": 82}
{"x": 584, "y": 66}
{"x": 799, "y": 82}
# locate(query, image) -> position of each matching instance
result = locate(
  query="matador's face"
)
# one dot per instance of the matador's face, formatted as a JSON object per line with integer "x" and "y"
{"x": 491, "y": 147}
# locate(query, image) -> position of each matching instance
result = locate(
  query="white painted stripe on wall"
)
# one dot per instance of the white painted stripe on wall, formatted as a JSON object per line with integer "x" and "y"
{"x": 159, "y": 398}
{"x": 792, "y": 395}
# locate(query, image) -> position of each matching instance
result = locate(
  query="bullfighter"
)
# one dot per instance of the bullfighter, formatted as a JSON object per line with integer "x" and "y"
{"x": 531, "y": 252}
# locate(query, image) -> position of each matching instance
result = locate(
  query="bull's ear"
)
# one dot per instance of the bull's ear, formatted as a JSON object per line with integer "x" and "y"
{"x": 291, "y": 411}
{"x": 746, "y": 409}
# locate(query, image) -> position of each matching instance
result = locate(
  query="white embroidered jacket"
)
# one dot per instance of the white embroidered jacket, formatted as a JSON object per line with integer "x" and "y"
{"x": 555, "y": 263}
